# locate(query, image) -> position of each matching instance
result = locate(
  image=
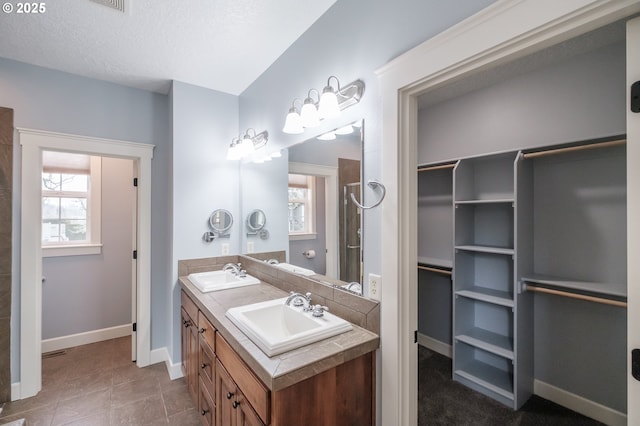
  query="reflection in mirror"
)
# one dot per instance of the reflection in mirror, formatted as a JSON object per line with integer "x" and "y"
{"x": 256, "y": 220}
{"x": 323, "y": 172}
{"x": 255, "y": 224}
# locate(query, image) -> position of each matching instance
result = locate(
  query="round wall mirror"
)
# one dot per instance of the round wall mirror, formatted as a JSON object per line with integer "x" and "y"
{"x": 220, "y": 221}
{"x": 256, "y": 220}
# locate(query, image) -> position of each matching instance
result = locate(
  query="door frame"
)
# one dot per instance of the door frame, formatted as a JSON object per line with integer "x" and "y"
{"x": 500, "y": 33}
{"x": 330, "y": 175}
{"x": 33, "y": 142}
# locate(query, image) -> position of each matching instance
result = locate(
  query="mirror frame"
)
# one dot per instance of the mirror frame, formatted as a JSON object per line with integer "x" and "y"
{"x": 212, "y": 223}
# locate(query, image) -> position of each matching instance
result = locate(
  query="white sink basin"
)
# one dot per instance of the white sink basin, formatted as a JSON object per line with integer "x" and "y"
{"x": 295, "y": 269}
{"x": 276, "y": 328}
{"x": 220, "y": 280}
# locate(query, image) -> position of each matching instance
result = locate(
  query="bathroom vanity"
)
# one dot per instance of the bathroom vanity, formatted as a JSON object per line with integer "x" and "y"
{"x": 233, "y": 382}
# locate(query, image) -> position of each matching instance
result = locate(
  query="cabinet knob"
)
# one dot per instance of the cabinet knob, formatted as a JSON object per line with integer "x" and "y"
{"x": 229, "y": 395}
{"x": 203, "y": 366}
{"x": 235, "y": 404}
{"x": 186, "y": 323}
{"x": 204, "y": 412}
{"x": 202, "y": 330}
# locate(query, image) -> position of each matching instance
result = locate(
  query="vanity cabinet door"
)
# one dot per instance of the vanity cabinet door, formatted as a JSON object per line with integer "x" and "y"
{"x": 245, "y": 415}
{"x": 225, "y": 397}
{"x": 190, "y": 349}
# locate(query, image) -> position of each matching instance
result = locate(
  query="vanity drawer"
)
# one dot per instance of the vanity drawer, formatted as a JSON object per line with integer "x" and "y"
{"x": 207, "y": 331}
{"x": 207, "y": 367}
{"x": 253, "y": 389}
{"x": 190, "y": 308}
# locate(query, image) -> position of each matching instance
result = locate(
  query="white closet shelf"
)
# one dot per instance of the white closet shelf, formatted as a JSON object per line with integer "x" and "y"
{"x": 488, "y": 295}
{"x": 487, "y": 201}
{"x": 486, "y": 249}
{"x": 598, "y": 288}
{"x": 486, "y": 340}
{"x": 433, "y": 261}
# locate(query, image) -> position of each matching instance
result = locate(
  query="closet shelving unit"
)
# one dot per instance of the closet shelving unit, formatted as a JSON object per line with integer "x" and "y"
{"x": 485, "y": 324}
{"x": 435, "y": 255}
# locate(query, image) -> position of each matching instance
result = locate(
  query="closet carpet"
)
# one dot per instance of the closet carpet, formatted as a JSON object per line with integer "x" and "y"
{"x": 441, "y": 401}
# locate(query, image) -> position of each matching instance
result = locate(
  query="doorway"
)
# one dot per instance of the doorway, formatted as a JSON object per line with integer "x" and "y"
{"x": 488, "y": 38}
{"x": 33, "y": 142}
{"x": 88, "y": 231}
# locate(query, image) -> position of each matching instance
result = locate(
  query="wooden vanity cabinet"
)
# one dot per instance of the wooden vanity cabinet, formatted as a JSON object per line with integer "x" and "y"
{"x": 228, "y": 392}
{"x": 232, "y": 407}
{"x": 190, "y": 346}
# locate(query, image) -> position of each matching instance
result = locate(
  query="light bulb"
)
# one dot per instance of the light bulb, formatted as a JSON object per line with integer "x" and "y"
{"x": 309, "y": 114}
{"x": 293, "y": 123}
{"x": 328, "y": 104}
{"x": 329, "y": 136}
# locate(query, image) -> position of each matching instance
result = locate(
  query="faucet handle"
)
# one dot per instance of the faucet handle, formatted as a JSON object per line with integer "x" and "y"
{"x": 242, "y": 273}
{"x": 318, "y": 310}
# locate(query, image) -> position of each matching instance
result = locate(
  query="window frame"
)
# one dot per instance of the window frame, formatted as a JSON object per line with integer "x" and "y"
{"x": 93, "y": 244}
{"x": 310, "y": 204}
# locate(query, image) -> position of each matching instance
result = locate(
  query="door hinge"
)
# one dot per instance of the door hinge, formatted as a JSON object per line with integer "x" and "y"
{"x": 635, "y": 97}
{"x": 135, "y": 254}
{"x": 415, "y": 336}
{"x": 135, "y": 326}
{"x": 135, "y": 181}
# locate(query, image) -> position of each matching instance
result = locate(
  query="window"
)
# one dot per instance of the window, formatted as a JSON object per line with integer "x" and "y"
{"x": 302, "y": 206}
{"x": 71, "y": 192}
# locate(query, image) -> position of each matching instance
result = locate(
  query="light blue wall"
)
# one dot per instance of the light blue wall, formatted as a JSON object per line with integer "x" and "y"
{"x": 203, "y": 124}
{"x": 60, "y": 102}
{"x": 351, "y": 40}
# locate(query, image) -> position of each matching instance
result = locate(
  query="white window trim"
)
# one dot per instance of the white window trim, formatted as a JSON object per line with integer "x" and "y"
{"x": 311, "y": 204}
{"x": 94, "y": 244}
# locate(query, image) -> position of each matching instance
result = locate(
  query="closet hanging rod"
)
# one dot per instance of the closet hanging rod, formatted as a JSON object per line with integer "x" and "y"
{"x": 576, "y": 296}
{"x": 440, "y": 167}
{"x": 436, "y": 270}
{"x": 574, "y": 148}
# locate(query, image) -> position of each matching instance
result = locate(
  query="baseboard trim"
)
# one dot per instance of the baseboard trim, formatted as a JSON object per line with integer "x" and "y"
{"x": 85, "y": 338}
{"x": 162, "y": 355}
{"x": 579, "y": 404}
{"x": 435, "y": 345}
{"x": 16, "y": 394}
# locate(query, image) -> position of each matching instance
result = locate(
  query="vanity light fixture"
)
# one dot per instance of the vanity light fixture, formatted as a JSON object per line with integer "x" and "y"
{"x": 309, "y": 112}
{"x": 345, "y": 130}
{"x": 329, "y": 136}
{"x": 331, "y": 103}
{"x": 293, "y": 122}
{"x": 246, "y": 144}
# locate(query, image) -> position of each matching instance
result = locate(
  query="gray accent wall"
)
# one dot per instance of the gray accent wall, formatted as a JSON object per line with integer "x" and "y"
{"x": 92, "y": 292}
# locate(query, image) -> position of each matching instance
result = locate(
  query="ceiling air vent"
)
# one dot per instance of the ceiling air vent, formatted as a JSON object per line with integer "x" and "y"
{"x": 113, "y": 4}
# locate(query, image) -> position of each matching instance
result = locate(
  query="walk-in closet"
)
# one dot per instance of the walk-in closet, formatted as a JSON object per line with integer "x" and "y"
{"x": 522, "y": 227}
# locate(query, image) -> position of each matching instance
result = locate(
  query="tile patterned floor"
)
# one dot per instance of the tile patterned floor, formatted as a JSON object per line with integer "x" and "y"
{"x": 98, "y": 385}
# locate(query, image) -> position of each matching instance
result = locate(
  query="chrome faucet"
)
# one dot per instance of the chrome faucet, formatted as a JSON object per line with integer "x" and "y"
{"x": 272, "y": 261}
{"x": 298, "y": 300}
{"x": 234, "y": 268}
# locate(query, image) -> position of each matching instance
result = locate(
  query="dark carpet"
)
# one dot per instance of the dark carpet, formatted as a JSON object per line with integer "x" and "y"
{"x": 441, "y": 401}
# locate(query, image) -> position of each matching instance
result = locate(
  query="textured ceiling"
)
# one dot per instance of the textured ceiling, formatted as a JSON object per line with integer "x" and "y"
{"x": 218, "y": 44}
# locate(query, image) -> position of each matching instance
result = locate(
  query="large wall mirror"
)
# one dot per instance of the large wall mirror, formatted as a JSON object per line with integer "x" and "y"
{"x": 323, "y": 227}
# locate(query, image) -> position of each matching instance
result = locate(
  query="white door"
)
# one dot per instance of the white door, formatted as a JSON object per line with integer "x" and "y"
{"x": 633, "y": 219}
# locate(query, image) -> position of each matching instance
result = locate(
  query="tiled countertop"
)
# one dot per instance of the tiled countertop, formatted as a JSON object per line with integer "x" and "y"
{"x": 279, "y": 371}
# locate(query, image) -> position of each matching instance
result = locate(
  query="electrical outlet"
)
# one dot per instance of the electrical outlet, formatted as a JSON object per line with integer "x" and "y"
{"x": 225, "y": 249}
{"x": 250, "y": 247}
{"x": 375, "y": 283}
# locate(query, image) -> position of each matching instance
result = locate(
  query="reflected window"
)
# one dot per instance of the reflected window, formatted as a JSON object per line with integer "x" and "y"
{"x": 301, "y": 204}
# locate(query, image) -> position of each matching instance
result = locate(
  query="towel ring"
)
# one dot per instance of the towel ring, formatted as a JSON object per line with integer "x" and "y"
{"x": 373, "y": 184}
